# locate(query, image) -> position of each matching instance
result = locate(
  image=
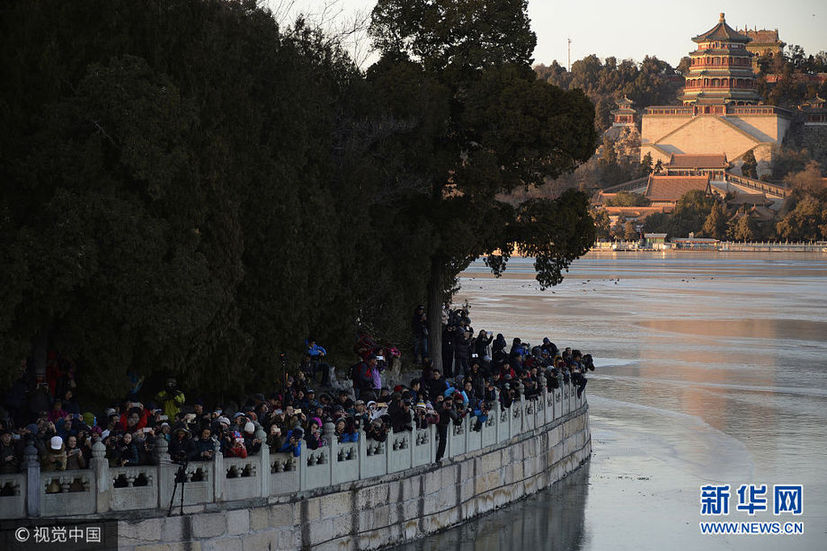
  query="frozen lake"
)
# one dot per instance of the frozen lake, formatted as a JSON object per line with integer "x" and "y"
{"x": 711, "y": 369}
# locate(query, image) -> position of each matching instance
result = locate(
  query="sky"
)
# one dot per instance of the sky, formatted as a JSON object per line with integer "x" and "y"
{"x": 634, "y": 28}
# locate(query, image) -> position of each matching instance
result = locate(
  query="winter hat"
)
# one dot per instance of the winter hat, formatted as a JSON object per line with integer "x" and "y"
{"x": 89, "y": 418}
{"x": 249, "y": 428}
{"x": 223, "y": 421}
{"x": 180, "y": 427}
{"x": 56, "y": 443}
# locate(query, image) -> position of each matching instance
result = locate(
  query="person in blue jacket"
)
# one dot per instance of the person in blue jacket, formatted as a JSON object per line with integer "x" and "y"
{"x": 293, "y": 442}
{"x": 317, "y": 354}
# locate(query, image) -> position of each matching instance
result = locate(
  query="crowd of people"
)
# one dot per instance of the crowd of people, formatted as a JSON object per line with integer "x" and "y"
{"x": 479, "y": 369}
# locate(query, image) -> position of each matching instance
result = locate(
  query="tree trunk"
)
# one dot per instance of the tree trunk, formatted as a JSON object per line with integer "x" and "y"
{"x": 40, "y": 345}
{"x": 435, "y": 314}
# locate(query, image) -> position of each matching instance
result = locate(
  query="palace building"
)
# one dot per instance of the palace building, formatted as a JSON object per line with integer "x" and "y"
{"x": 763, "y": 42}
{"x": 720, "y": 114}
{"x": 624, "y": 118}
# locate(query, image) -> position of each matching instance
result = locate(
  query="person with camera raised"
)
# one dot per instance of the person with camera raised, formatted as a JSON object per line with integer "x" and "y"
{"x": 55, "y": 457}
{"x": 204, "y": 445}
{"x": 171, "y": 398}
{"x": 181, "y": 446}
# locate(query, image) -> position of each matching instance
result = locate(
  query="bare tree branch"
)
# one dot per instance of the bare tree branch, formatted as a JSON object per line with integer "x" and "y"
{"x": 349, "y": 28}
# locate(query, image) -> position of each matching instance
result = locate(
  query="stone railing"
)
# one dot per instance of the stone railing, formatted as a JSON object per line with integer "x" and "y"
{"x": 102, "y": 489}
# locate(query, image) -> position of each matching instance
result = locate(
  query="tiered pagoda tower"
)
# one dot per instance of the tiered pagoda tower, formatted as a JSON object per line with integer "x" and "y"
{"x": 624, "y": 115}
{"x": 721, "y": 70}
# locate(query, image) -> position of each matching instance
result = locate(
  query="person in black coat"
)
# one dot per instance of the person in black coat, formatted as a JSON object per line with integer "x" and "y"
{"x": 181, "y": 446}
{"x": 436, "y": 386}
{"x": 462, "y": 351}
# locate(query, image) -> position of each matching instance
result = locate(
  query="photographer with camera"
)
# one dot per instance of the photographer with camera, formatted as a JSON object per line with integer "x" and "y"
{"x": 293, "y": 442}
{"x": 55, "y": 457}
{"x": 204, "y": 445}
{"x": 171, "y": 398}
{"x": 181, "y": 446}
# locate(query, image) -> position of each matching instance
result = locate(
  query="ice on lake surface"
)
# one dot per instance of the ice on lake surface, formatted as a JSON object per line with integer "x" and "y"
{"x": 711, "y": 369}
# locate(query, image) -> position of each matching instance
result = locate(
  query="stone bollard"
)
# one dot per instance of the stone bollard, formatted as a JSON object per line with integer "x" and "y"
{"x": 495, "y": 411}
{"x": 219, "y": 474}
{"x": 521, "y": 425}
{"x": 162, "y": 450}
{"x": 31, "y": 462}
{"x": 412, "y": 446}
{"x": 100, "y": 466}
{"x": 264, "y": 462}
{"x": 166, "y": 471}
{"x": 361, "y": 447}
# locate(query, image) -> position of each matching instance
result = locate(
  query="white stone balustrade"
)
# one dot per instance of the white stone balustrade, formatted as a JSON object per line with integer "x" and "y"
{"x": 101, "y": 489}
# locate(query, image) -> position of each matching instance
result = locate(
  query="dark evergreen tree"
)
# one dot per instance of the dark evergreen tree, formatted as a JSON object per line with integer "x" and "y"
{"x": 497, "y": 128}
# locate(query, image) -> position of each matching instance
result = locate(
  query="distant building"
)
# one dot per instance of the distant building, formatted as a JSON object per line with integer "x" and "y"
{"x": 624, "y": 118}
{"x": 763, "y": 42}
{"x": 721, "y": 69}
{"x": 720, "y": 114}
{"x": 665, "y": 191}
{"x": 815, "y": 111}
{"x": 681, "y": 164}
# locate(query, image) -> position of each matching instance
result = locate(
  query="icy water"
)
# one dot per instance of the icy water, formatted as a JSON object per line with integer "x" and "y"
{"x": 711, "y": 369}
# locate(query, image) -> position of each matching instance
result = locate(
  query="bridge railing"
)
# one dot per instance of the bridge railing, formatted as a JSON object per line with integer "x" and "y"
{"x": 104, "y": 489}
{"x": 758, "y": 185}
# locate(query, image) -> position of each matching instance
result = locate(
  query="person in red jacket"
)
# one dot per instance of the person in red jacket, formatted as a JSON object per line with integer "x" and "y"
{"x": 238, "y": 449}
{"x": 135, "y": 418}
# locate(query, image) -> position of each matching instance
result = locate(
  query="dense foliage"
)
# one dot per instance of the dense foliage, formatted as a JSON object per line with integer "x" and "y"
{"x": 190, "y": 189}
{"x": 650, "y": 82}
{"x": 459, "y": 72}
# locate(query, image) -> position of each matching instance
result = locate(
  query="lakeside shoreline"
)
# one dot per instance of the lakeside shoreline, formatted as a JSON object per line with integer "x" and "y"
{"x": 609, "y": 252}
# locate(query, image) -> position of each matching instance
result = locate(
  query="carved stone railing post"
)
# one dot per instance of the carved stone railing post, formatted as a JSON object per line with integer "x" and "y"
{"x": 302, "y": 466}
{"x": 388, "y": 448}
{"x": 264, "y": 462}
{"x": 412, "y": 447}
{"x": 166, "y": 471}
{"x": 329, "y": 431}
{"x": 100, "y": 466}
{"x": 361, "y": 450}
{"x": 521, "y": 426}
{"x": 162, "y": 450}
{"x": 495, "y": 411}
{"x": 32, "y": 464}
{"x": 543, "y": 396}
{"x": 432, "y": 442}
{"x": 219, "y": 474}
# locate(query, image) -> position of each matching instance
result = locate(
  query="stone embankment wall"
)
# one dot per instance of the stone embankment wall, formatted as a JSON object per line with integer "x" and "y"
{"x": 368, "y": 514}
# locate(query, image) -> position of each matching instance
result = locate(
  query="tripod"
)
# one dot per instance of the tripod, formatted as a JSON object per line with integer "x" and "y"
{"x": 180, "y": 478}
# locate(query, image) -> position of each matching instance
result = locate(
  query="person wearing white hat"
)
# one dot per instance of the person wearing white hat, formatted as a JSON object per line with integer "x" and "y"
{"x": 251, "y": 443}
{"x": 55, "y": 457}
